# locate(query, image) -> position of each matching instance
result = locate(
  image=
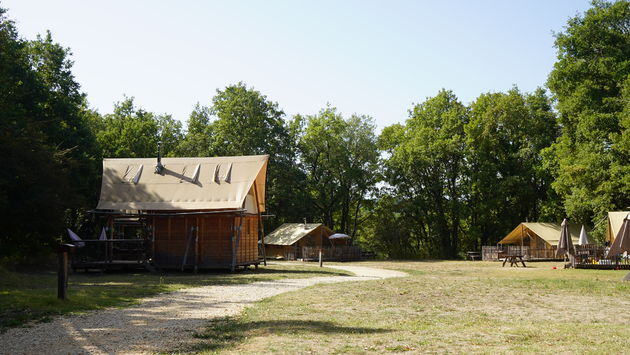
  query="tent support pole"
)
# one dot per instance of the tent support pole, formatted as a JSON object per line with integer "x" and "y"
{"x": 261, "y": 227}
{"x": 196, "y": 244}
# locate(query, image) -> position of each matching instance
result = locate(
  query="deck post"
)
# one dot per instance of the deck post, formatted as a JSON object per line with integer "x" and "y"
{"x": 321, "y": 245}
{"x": 235, "y": 243}
{"x": 62, "y": 270}
{"x": 196, "y": 244}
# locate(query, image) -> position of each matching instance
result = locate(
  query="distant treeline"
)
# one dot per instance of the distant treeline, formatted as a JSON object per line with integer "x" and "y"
{"x": 451, "y": 178}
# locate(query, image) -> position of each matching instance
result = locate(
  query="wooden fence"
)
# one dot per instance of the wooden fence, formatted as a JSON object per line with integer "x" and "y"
{"x": 497, "y": 253}
{"x": 586, "y": 256}
{"x": 338, "y": 253}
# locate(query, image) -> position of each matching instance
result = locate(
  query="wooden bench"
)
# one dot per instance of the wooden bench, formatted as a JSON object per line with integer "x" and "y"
{"x": 473, "y": 255}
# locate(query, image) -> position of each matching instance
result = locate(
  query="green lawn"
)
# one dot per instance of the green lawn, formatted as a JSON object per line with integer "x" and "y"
{"x": 442, "y": 307}
{"x": 32, "y": 296}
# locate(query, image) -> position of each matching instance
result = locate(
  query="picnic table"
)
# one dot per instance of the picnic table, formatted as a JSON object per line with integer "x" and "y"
{"x": 514, "y": 259}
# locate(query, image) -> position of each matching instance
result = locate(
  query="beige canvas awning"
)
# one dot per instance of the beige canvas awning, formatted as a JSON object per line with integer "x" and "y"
{"x": 541, "y": 235}
{"x": 622, "y": 239}
{"x": 217, "y": 183}
{"x": 615, "y": 220}
{"x": 289, "y": 233}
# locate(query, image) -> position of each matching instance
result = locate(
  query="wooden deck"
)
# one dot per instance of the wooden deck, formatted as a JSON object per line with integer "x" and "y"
{"x": 112, "y": 254}
{"x": 603, "y": 266}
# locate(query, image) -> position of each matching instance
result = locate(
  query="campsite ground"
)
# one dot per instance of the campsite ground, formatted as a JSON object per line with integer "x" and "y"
{"x": 31, "y": 296}
{"x": 442, "y": 306}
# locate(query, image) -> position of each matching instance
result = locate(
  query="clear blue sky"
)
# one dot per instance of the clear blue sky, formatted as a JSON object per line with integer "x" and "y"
{"x": 366, "y": 57}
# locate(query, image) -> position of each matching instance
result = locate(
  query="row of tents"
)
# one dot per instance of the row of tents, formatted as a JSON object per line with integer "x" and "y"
{"x": 547, "y": 235}
{"x": 290, "y": 239}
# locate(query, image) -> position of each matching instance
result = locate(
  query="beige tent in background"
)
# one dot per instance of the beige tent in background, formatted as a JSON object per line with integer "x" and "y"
{"x": 622, "y": 239}
{"x": 539, "y": 235}
{"x": 615, "y": 220}
{"x": 288, "y": 239}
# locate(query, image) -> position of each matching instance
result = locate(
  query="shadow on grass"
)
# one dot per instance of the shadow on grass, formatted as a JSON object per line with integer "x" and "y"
{"x": 227, "y": 332}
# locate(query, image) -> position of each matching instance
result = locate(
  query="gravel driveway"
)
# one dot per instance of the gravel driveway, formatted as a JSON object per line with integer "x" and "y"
{"x": 165, "y": 321}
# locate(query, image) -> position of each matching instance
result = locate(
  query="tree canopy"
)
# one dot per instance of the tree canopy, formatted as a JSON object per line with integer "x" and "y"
{"x": 590, "y": 81}
{"x": 451, "y": 177}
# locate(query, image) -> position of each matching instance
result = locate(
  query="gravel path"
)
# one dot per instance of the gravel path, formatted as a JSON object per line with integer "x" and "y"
{"x": 165, "y": 321}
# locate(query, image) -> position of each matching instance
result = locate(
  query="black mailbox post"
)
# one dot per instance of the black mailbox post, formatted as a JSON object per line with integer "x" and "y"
{"x": 62, "y": 271}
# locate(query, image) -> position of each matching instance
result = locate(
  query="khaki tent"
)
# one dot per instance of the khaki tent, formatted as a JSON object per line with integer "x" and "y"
{"x": 287, "y": 241}
{"x": 198, "y": 212}
{"x": 539, "y": 235}
{"x": 615, "y": 220}
{"x": 218, "y": 183}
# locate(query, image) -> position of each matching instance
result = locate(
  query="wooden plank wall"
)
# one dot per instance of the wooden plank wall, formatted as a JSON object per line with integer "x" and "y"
{"x": 215, "y": 233}
{"x": 214, "y": 248}
{"x": 170, "y": 241}
{"x": 248, "y": 246}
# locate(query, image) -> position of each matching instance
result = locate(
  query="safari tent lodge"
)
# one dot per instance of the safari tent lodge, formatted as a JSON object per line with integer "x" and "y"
{"x": 534, "y": 241}
{"x": 303, "y": 241}
{"x": 193, "y": 212}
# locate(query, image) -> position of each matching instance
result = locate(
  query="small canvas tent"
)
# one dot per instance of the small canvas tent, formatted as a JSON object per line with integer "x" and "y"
{"x": 615, "y": 221}
{"x": 539, "y": 235}
{"x": 288, "y": 239}
{"x": 202, "y": 212}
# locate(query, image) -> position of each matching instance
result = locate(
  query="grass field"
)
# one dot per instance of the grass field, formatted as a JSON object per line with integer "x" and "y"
{"x": 32, "y": 296}
{"x": 441, "y": 307}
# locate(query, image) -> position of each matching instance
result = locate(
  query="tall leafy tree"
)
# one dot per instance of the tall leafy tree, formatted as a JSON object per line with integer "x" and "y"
{"x": 426, "y": 169}
{"x": 588, "y": 81}
{"x": 47, "y": 152}
{"x": 508, "y": 183}
{"x": 339, "y": 157}
{"x": 197, "y": 141}
{"x": 242, "y": 121}
{"x": 131, "y": 132}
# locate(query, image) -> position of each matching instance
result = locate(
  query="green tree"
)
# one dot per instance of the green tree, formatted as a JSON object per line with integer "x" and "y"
{"x": 508, "y": 183}
{"x": 131, "y": 132}
{"x": 47, "y": 152}
{"x": 425, "y": 172}
{"x": 242, "y": 121}
{"x": 339, "y": 157}
{"x": 588, "y": 81}
{"x": 197, "y": 141}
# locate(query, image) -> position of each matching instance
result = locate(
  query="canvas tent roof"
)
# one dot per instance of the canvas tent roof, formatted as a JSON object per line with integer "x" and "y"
{"x": 216, "y": 183}
{"x": 615, "y": 220}
{"x": 548, "y": 232}
{"x": 289, "y": 233}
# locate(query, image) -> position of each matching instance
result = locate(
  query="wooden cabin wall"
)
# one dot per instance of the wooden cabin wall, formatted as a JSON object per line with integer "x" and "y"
{"x": 170, "y": 241}
{"x": 248, "y": 245}
{"x": 213, "y": 249}
{"x": 215, "y": 236}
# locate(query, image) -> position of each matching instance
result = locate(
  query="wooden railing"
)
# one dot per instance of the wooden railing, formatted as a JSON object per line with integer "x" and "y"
{"x": 338, "y": 253}
{"x": 104, "y": 253}
{"x": 584, "y": 254}
{"x": 496, "y": 253}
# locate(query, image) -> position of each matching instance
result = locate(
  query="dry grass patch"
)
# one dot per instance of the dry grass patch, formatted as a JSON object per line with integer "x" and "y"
{"x": 445, "y": 306}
